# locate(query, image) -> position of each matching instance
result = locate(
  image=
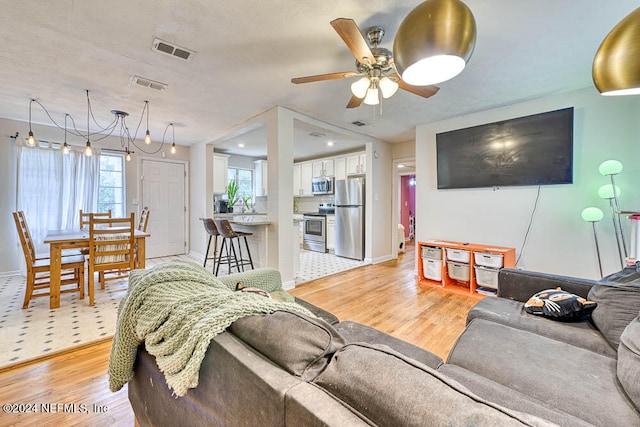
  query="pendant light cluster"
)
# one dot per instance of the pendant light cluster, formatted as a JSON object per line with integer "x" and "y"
{"x": 119, "y": 122}
{"x": 434, "y": 42}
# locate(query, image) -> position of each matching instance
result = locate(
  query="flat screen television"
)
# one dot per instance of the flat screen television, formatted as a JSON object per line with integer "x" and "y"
{"x": 531, "y": 150}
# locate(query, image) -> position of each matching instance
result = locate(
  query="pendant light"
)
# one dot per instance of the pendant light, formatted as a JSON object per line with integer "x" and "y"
{"x": 31, "y": 140}
{"x": 616, "y": 68}
{"x": 434, "y": 42}
{"x": 147, "y": 136}
{"x": 88, "y": 151}
{"x": 173, "y": 145}
{"x": 65, "y": 146}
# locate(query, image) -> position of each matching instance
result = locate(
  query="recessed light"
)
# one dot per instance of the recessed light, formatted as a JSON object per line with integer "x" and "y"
{"x": 330, "y": 143}
{"x": 241, "y": 145}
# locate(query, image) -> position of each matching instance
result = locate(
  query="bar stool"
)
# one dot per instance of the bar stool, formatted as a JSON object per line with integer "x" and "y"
{"x": 228, "y": 234}
{"x": 212, "y": 231}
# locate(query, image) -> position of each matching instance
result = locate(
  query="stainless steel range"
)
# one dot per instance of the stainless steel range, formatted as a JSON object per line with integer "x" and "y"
{"x": 315, "y": 228}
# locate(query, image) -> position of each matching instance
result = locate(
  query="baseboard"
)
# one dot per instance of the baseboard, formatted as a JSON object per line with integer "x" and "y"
{"x": 382, "y": 259}
{"x": 288, "y": 285}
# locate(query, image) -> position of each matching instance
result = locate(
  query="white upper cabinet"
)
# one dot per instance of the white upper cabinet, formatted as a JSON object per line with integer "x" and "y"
{"x": 220, "y": 165}
{"x": 322, "y": 168}
{"x": 340, "y": 168}
{"x": 302, "y": 176}
{"x": 356, "y": 164}
{"x": 260, "y": 171}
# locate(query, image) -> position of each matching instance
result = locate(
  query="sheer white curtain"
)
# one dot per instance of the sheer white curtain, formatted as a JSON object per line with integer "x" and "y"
{"x": 53, "y": 187}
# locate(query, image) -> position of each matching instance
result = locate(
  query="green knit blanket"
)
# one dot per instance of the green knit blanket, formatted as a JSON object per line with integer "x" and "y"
{"x": 177, "y": 309}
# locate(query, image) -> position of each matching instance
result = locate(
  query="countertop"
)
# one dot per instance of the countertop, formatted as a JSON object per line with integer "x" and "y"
{"x": 244, "y": 219}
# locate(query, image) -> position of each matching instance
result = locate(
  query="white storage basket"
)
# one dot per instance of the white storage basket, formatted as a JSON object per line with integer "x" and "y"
{"x": 458, "y": 271}
{"x": 487, "y": 277}
{"x": 431, "y": 252}
{"x": 432, "y": 268}
{"x": 487, "y": 259}
{"x": 458, "y": 255}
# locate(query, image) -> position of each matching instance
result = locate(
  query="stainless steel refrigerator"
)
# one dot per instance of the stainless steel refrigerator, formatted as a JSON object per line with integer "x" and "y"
{"x": 349, "y": 206}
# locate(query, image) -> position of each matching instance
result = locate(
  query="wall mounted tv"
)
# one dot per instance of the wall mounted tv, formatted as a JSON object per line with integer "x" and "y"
{"x": 531, "y": 150}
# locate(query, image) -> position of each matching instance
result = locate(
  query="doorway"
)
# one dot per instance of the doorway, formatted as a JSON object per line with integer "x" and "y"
{"x": 163, "y": 192}
{"x": 404, "y": 203}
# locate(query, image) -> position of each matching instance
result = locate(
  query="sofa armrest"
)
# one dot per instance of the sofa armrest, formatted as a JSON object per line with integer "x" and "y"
{"x": 520, "y": 285}
{"x": 318, "y": 312}
{"x": 267, "y": 279}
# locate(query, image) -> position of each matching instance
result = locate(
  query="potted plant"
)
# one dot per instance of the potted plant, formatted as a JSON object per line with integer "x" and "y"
{"x": 246, "y": 202}
{"x": 232, "y": 194}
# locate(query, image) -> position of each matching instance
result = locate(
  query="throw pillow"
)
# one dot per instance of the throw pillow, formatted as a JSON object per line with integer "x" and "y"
{"x": 241, "y": 288}
{"x": 559, "y": 305}
{"x": 618, "y": 298}
{"x": 628, "y": 368}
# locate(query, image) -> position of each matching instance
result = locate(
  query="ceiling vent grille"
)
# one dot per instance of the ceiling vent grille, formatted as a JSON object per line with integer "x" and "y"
{"x": 142, "y": 81}
{"x": 358, "y": 123}
{"x": 171, "y": 49}
{"x": 317, "y": 134}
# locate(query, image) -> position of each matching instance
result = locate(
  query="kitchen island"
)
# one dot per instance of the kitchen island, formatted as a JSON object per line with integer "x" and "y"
{"x": 259, "y": 226}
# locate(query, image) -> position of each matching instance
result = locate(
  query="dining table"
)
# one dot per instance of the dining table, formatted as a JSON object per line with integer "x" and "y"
{"x": 58, "y": 240}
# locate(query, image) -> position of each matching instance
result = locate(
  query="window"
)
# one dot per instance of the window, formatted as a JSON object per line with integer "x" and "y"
{"x": 244, "y": 179}
{"x": 111, "y": 194}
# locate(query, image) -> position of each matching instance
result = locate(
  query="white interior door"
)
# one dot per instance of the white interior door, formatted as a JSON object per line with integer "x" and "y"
{"x": 163, "y": 193}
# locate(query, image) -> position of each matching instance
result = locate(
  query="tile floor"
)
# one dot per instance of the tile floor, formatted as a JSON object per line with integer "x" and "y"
{"x": 39, "y": 331}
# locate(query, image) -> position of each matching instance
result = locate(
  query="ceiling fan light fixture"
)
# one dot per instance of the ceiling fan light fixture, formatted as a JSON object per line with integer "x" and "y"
{"x": 359, "y": 87}
{"x": 434, "y": 42}
{"x": 616, "y": 69}
{"x": 372, "y": 96}
{"x": 388, "y": 87}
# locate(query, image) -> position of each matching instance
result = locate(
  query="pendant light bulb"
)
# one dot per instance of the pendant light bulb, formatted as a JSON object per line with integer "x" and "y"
{"x": 372, "y": 96}
{"x": 173, "y": 148}
{"x": 388, "y": 87}
{"x": 31, "y": 140}
{"x": 359, "y": 87}
{"x": 147, "y": 138}
{"x": 65, "y": 148}
{"x": 88, "y": 151}
{"x": 128, "y": 156}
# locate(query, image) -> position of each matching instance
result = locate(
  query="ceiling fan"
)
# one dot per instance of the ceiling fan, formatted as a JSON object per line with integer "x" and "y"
{"x": 373, "y": 64}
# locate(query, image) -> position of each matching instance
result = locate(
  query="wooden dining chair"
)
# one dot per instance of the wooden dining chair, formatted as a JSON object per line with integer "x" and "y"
{"x": 39, "y": 267}
{"x": 85, "y": 217}
{"x": 111, "y": 245}
{"x": 144, "y": 220}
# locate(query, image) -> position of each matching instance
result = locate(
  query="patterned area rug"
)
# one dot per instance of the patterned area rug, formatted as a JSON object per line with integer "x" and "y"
{"x": 39, "y": 331}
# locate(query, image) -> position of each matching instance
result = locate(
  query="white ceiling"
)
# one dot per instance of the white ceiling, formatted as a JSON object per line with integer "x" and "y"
{"x": 247, "y": 52}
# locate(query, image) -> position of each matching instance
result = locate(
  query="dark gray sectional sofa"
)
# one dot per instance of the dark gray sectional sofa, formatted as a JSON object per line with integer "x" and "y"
{"x": 507, "y": 368}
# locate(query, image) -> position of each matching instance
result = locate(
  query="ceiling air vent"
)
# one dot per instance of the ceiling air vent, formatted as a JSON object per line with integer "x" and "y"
{"x": 317, "y": 134}
{"x": 171, "y": 49}
{"x": 358, "y": 123}
{"x": 148, "y": 83}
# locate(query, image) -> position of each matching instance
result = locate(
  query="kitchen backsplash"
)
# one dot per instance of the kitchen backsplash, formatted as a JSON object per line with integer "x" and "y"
{"x": 310, "y": 204}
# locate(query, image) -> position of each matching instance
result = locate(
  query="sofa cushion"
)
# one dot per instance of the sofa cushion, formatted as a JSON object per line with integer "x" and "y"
{"x": 558, "y": 304}
{"x": 509, "y": 398}
{"x": 355, "y": 332}
{"x": 511, "y": 313}
{"x": 379, "y": 383}
{"x": 618, "y": 304}
{"x": 299, "y": 344}
{"x": 629, "y": 361}
{"x": 574, "y": 380}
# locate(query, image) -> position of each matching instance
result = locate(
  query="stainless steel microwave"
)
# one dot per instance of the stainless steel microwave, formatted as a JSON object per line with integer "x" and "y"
{"x": 322, "y": 185}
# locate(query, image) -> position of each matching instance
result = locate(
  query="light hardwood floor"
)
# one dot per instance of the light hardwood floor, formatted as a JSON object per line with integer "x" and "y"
{"x": 384, "y": 296}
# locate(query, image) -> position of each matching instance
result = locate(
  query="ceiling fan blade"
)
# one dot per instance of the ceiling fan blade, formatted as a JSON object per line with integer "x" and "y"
{"x": 321, "y": 77}
{"x": 423, "y": 91}
{"x": 354, "y": 102}
{"x": 351, "y": 35}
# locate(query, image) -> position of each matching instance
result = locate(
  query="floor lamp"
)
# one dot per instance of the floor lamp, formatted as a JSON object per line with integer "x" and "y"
{"x": 607, "y": 192}
{"x": 594, "y": 215}
{"x": 612, "y": 168}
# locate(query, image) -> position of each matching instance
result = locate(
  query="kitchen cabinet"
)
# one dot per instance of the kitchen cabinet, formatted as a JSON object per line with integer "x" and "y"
{"x": 340, "y": 168}
{"x": 302, "y": 176}
{"x": 331, "y": 232}
{"x": 356, "y": 164}
{"x": 322, "y": 168}
{"x": 260, "y": 171}
{"x": 220, "y": 164}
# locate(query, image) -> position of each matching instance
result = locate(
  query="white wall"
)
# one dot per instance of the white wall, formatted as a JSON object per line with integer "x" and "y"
{"x": 200, "y": 196}
{"x": 559, "y": 241}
